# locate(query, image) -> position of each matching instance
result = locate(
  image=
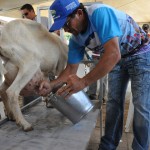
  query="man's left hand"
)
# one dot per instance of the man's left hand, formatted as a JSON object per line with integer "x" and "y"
{"x": 74, "y": 84}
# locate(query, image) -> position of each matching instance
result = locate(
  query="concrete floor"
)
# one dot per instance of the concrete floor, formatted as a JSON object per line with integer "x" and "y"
{"x": 52, "y": 131}
{"x": 126, "y": 141}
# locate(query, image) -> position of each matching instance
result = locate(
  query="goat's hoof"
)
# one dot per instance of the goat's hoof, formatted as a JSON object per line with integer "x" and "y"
{"x": 26, "y": 129}
{"x": 25, "y": 126}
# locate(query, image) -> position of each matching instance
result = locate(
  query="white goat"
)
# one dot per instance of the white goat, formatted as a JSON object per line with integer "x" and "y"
{"x": 28, "y": 50}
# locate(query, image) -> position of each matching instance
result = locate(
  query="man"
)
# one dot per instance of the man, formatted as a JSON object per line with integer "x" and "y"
{"x": 28, "y": 12}
{"x": 145, "y": 27}
{"x": 125, "y": 56}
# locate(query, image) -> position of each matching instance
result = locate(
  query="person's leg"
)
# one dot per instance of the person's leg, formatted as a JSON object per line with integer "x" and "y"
{"x": 140, "y": 84}
{"x": 117, "y": 83}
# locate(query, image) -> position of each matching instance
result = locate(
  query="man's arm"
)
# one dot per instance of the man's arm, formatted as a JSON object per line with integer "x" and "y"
{"x": 109, "y": 59}
{"x": 63, "y": 77}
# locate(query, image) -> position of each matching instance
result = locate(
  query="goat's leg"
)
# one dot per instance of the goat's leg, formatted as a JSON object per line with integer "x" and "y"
{"x": 23, "y": 77}
{"x": 5, "y": 101}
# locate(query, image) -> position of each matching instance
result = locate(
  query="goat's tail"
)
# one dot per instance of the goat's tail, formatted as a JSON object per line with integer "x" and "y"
{"x": 2, "y": 68}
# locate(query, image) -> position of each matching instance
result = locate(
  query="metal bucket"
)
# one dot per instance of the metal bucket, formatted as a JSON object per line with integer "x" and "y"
{"x": 74, "y": 108}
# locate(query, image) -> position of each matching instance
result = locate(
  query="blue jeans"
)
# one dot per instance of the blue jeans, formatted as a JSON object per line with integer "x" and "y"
{"x": 137, "y": 69}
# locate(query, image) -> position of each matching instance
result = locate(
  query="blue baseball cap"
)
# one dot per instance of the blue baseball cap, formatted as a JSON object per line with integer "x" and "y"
{"x": 60, "y": 9}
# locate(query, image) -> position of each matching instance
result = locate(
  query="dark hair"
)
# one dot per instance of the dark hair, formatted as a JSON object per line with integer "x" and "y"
{"x": 27, "y": 6}
{"x": 145, "y": 27}
{"x": 81, "y": 6}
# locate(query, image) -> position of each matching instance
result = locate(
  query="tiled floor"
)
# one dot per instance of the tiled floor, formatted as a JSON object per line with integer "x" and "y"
{"x": 125, "y": 142}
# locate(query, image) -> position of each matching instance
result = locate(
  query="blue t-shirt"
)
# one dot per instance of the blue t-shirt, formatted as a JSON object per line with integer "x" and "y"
{"x": 105, "y": 23}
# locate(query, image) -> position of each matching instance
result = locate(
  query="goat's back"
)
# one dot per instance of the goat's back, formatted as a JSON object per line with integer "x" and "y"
{"x": 24, "y": 39}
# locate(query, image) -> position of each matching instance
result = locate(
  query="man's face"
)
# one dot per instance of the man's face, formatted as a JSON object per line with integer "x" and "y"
{"x": 28, "y": 14}
{"x": 76, "y": 24}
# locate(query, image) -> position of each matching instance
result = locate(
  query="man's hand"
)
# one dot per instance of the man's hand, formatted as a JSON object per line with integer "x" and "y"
{"x": 74, "y": 84}
{"x": 45, "y": 88}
